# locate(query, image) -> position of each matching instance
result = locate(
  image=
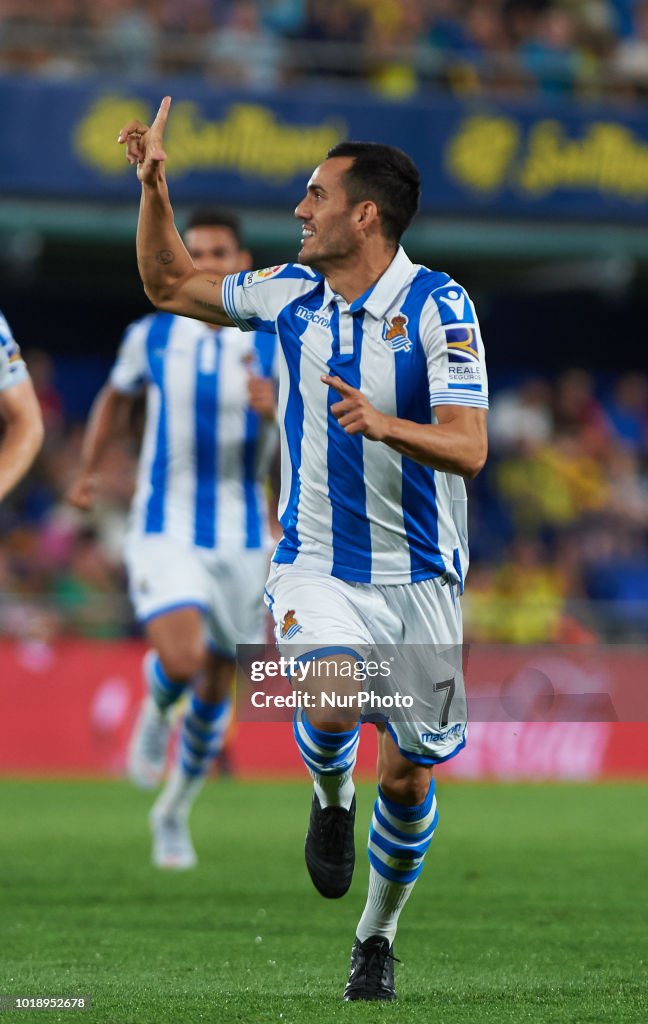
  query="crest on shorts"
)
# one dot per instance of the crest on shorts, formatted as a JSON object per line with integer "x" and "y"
{"x": 395, "y": 332}
{"x": 289, "y": 625}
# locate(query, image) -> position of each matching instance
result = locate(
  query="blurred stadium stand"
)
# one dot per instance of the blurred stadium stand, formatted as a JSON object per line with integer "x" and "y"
{"x": 528, "y": 121}
{"x": 398, "y": 47}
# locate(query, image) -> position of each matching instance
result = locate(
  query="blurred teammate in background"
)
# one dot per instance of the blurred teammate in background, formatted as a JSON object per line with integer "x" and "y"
{"x": 20, "y": 415}
{"x": 383, "y": 410}
{"x": 197, "y": 546}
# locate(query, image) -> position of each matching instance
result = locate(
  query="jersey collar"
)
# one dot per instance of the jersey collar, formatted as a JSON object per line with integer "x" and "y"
{"x": 380, "y": 297}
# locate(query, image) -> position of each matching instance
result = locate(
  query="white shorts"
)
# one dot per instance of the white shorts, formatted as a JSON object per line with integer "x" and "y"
{"x": 165, "y": 575}
{"x": 420, "y": 623}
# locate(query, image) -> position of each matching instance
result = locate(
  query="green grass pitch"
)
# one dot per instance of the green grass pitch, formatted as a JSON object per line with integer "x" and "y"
{"x": 531, "y": 908}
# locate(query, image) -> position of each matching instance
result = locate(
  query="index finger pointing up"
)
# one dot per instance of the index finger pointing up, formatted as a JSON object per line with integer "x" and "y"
{"x": 162, "y": 115}
{"x": 155, "y": 147}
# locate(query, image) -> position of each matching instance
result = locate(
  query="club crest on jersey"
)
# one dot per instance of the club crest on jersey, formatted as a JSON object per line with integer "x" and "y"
{"x": 462, "y": 344}
{"x": 289, "y": 625}
{"x": 256, "y": 276}
{"x": 395, "y": 332}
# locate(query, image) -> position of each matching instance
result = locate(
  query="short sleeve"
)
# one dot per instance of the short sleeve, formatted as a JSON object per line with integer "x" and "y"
{"x": 454, "y": 349}
{"x": 254, "y": 299}
{"x": 130, "y": 371}
{"x": 12, "y": 366}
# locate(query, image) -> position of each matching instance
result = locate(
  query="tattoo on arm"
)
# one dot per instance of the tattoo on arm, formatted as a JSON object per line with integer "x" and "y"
{"x": 165, "y": 256}
{"x": 210, "y": 306}
{"x": 212, "y": 283}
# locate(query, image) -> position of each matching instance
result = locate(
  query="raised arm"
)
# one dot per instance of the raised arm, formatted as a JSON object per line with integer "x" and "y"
{"x": 170, "y": 278}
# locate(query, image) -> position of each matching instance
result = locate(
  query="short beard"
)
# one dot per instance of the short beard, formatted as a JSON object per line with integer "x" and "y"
{"x": 320, "y": 261}
{"x": 308, "y": 261}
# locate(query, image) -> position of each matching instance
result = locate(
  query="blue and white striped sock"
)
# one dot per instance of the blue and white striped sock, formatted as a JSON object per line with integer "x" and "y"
{"x": 162, "y": 689}
{"x": 398, "y": 840}
{"x": 201, "y": 739}
{"x": 330, "y": 758}
{"x": 202, "y": 734}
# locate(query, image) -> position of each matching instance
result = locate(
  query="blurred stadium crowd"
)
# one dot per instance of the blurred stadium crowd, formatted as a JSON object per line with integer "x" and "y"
{"x": 559, "y": 520}
{"x": 559, "y": 517}
{"x": 587, "y": 48}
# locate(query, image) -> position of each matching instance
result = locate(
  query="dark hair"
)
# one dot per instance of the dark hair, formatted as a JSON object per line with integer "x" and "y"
{"x": 388, "y": 177}
{"x": 215, "y": 217}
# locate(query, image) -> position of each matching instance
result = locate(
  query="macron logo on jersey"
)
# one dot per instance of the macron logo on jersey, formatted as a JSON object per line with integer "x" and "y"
{"x": 454, "y": 302}
{"x": 312, "y": 316}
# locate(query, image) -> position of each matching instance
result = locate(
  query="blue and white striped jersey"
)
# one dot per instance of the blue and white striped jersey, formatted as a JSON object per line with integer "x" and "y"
{"x": 206, "y": 454}
{"x": 12, "y": 367}
{"x": 349, "y": 506}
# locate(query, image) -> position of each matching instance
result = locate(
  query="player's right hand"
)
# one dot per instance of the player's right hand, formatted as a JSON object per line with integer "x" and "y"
{"x": 82, "y": 492}
{"x": 144, "y": 144}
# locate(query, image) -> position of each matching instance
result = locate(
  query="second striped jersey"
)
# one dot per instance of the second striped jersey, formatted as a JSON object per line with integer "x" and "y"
{"x": 206, "y": 454}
